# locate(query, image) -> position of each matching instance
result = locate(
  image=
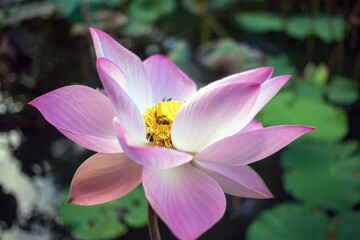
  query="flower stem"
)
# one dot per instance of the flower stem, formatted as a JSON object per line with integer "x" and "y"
{"x": 153, "y": 224}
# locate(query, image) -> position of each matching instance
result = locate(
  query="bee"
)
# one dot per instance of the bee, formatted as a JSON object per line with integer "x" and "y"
{"x": 160, "y": 120}
{"x": 149, "y": 137}
{"x": 166, "y": 100}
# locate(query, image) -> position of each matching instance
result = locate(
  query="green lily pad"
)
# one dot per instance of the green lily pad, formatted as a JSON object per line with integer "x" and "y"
{"x": 323, "y": 174}
{"x": 195, "y": 6}
{"x": 136, "y": 28}
{"x": 299, "y": 27}
{"x": 134, "y": 206}
{"x": 290, "y": 221}
{"x": 150, "y": 10}
{"x": 308, "y": 89}
{"x": 318, "y": 75}
{"x": 105, "y": 221}
{"x": 342, "y": 90}
{"x": 346, "y": 226}
{"x": 327, "y": 28}
{"x": 289, "y": 107}
{"x": 220, "y": 4}
{"x": 260, "y": 22}
{"x": 72, "y": 9}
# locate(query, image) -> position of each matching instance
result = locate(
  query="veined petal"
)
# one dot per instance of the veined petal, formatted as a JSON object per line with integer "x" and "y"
{"x": 267, "y": 91}
{"x": 241, "y": 181}
{"x": 82, "y": 114}
{"x": 138, "y": 85}
{"x": 104, "y": 177}
{"x": 259, "y": 75}
{"x": 251, "y": 126}
{"x": 213, "y": 114}
{"x": 249, "y": 147}
{"x": 94, "y": 143}
{"x": 185, "y": 198}
{"x": 167, "y": 80}
{"x": 125, "y": 108}
{"x": 149, "y": 156}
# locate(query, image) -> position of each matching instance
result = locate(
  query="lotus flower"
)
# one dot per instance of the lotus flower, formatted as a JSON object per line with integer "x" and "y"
{"x": 152, "y": 126}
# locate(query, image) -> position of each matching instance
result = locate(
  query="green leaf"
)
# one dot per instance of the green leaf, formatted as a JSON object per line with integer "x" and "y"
{"x": 75, "y": 9}
{"x": 134, "y": 205}
{"x": 114, "y": 3}
{"x": 136, "y": 28}
{"x": 299, "y": 26}
{"x": 288, "y": 107}
{"x": 342, "y": 90}
{"x": 318, "y": 75}
{"x": 71, "y": 9}
{"x": 106, "y": 220}
{"x": 260, "y": 22}
{"x": 220, "y": 4}
{"x": 289, "y": 221}
{"x": 346, "y": 226}
{"x": 323, "y": 174}
{"x": 327, "y": 28}
{"x": 308, "y": 89}
{"x": 150, "y": 10}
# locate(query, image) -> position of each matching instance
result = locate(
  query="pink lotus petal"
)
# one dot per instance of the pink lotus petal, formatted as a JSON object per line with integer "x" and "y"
{"x": 104, "y": 177}
{"x": 251, "y": 126}
{"x": 96, "y": 144}
{"x": 149, "y": 155}
{"x": 267, "y": 91}
{"x": 213, "y": 114}
{"x": 259, "y": 75}
{"x": 125, "y": 108}
{"x": 167, "y": 80}
{"x": 249, "y": 147}
{"x": 186, "y": 199}
{"x": 82, "y": 114}
{"x": 241, "y": 181}
{"x": 138, "y": 85}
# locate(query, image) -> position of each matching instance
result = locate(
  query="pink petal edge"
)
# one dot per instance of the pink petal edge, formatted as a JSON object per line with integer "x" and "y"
{"x": 241, "y": 181}
{"x": 125, "y": 108}
{"x": 267, "y": 91}
{"x": 82, "y": 114}
{"x": 167, "y": 80}
{"x": 249, "y": 147}
{"x": 103, "y": 178}
{"x": 185, "y": 198}
{"x": 138, "y": 85}
{"x": 259, "y": 75}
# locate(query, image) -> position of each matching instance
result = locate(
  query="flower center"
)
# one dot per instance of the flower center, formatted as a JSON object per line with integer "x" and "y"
{"x": 158, "y": 120}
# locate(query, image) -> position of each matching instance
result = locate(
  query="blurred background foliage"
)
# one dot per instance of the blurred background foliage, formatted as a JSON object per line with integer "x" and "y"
{"x": 46, "y": 44}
